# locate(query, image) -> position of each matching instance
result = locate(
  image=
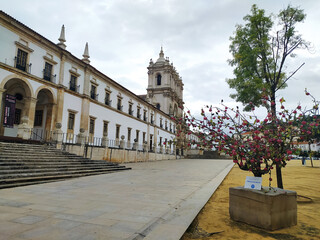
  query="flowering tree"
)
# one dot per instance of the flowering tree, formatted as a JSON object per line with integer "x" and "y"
{"x": 309, "y": 126}
{"x": 255, "y": 145}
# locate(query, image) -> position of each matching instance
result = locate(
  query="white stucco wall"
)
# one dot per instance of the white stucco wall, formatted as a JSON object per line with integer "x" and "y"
{"x": 73, "y": 102}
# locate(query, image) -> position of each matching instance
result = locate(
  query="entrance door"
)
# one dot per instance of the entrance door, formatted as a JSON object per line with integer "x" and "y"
{"x": 21, "y": 91}
{"x": 43, "y": 116}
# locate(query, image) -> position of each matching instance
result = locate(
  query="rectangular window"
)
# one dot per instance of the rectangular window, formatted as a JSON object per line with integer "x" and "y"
{"x": 130, "y": 109}
{"x": 143, "y": 137}
{"x": 129, "y": 134}
{"x": 138, "y": 113}
{"x": 71, "y": 121}
{"x": 93, "y": 94}
{"x": 105, "y": 128}
{"x": 151, "y": 142}
{"x": 47, "y": 72}
{"x": 38, "y": 118}
{"x": 161, "y": 125}
{"x": 73, "y": 83}
{"x": 119, "y": 106}
{"x": 17, "y": 116}
{"x": 151, "y": 119}
{"x": 145, "y": 115}
{"x": 107, "y": 99}
{"x": 117, "y": 131}
{"x": 137, "y": 136}
{"x": 166, "y": 125}
{"x": 91, "y": 126}
{"x": 21, "y": 60}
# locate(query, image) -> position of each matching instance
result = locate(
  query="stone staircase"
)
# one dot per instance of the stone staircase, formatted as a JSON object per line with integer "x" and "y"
{"x": 25, "y": 164}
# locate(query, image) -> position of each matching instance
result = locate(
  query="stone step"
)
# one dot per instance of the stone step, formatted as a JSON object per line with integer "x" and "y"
{"x": 49, "y": 161}
{"x": 45, "y": 158}
{"x": 54, "y": 168}
{"x": 33, "y": 153}
{"x": 15, "y": 182}
{"x": 6, "y": 151}
{"x": 24, "y": 164}
{"x": 60, "y": 158}
{"x": 29, "y": 148}
{"x": 29, "y": 151}
{"x": 19, "y": 174}
{"x": 4, "y": 162}
{"x": 39, "y": 155}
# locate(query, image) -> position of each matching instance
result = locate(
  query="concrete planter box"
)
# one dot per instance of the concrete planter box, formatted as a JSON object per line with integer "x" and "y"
{"x": 270, "y": 210}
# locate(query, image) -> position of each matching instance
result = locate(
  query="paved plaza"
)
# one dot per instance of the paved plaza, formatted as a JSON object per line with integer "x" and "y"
{"x": 154, "y": 200}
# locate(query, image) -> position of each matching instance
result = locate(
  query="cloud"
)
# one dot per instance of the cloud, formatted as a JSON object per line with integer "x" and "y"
{"x": 123, "y": 35}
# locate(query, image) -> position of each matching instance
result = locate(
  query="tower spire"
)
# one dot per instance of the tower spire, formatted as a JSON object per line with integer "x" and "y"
{"x": 161, "y": 54}
{"x": 161, "y": 58}
{"x": 62, "y": 38}
{"x": 86, "y": 54}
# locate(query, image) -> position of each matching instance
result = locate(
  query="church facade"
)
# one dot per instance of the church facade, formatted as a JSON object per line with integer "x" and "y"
{"x": 45, "y": 89}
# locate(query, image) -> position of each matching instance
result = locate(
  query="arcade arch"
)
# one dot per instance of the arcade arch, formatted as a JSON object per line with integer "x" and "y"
{"x": 35, "y": 111}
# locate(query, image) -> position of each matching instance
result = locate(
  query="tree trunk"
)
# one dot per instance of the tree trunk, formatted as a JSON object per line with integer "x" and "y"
{"x": 279, "y": 177}
{"x": 310, "y": 154}
{"x": 274, "y": 116}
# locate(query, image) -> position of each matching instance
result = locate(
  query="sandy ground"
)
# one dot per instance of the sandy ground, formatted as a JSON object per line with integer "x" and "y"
{"x": 213, "y": 222}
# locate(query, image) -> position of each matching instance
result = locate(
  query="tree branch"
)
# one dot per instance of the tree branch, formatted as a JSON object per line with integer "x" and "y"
{"x": 284, "y": 82}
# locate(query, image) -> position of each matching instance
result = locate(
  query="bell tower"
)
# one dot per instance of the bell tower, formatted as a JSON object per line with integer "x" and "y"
{"x": 165, "y": 87}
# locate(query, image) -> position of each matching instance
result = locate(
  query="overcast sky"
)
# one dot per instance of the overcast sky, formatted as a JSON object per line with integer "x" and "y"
{"x": 124, "y": 34}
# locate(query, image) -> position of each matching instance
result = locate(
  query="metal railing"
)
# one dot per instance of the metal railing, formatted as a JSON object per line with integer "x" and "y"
{"x": 39, "y": 135}
{"x": 52, "y": 138}
{"x": 94, "y": 96}
{"x": 107, "y": 102}
{"x": 48, "y": 76}
{"x": 119, "y": 107}
{"x": 74, "y": 87}
{"x": 113, "y": 143}
{"x": 22, "y": 65}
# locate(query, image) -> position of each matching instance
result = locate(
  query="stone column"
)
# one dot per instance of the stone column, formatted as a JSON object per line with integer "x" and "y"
{"x": 84, "y": 120}
{"x": 105, "y": 141}
{"x": 30, "y": 104}
{"x": 57, "y": 135}
{"x": 154, "y": 147}
{"x": 59, "y": 107}
{"x": 49, "y": 119}
{"x": 1, "y": 110}
{"x": 24, "y": 130}
{"x": 135, "y": 144}
{"x": 81, "y": 137}
{"x": 145, "y": 146}
{"x": 61, "y": 70}
{"x": 122, "y": 142}
{"x": 86, "y": 85}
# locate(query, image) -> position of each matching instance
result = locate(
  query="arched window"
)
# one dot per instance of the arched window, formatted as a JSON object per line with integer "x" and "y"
{"x": 158, "y": 106}
{"x": 159, "y": 79}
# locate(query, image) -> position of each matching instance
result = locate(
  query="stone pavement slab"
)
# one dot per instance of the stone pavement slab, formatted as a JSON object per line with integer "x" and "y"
{"x": 154, "y": 200}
